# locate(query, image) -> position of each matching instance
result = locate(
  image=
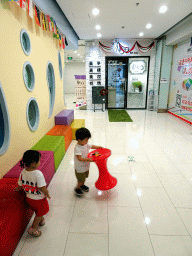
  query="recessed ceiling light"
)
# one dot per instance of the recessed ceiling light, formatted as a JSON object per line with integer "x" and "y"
{"x": 141, "y": 34}
{"x": 148, "y": 25}
{"x": 98, "y": 35}
{"x": 163, "y": 9}
{"x": 78, "y": 54}
{"x": 95, "y": 11}
{"x": 98, "y": 27}
{"x": 75, "y": 51}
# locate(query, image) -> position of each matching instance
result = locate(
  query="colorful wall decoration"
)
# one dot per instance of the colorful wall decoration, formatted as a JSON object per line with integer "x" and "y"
{"x": 180, "y": 96}
{"x": 44, "y": 49}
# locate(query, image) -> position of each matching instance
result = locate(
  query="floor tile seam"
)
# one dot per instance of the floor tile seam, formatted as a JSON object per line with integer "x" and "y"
{"x": 171, "y": 187}
{"x": 182, "y": 207}
{"x": 151, "y": 164}
{"x": 86, "y": 233}
{"x": 62, "y": 205}
{"x": 176, "y": 209}
{"x": 25, "y": 237}
{"x": 108, "y": 222}
{"x": 144, "y": 219}
{"x": 148, "y": 187}
{"x": 170, "y": 235}
{"x": 125, "y": 206}
{"x": 69, "y": 226}
{"x": 22, "y": 245}
{"x": 149, "y": 173}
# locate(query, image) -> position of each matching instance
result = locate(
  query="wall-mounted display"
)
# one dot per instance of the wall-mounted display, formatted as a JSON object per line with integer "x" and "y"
{"x": 4, "y": 123}
{"x": 32, "y": 114}
{"x": 80, "y": 90}
{"x": 51, "y": 86}
{"x": 28, "y": 76}
{"x": 25, "y": 42}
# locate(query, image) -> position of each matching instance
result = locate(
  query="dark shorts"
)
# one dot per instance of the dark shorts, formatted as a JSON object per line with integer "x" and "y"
{"x": 81, "y": 177}
{"x": 41, "y": 207}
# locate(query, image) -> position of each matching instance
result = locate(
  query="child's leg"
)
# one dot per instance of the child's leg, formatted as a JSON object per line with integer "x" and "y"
{"x": 36, "y": 221}
{"x": 80, "y": 179}
{"x": 79, "y": 184}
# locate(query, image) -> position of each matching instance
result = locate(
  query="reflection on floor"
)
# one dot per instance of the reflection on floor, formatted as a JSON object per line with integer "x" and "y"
{"x": 148, "y": 213}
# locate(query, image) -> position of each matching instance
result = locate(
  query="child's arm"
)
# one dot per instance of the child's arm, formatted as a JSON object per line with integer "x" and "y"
{"x": 45, "y": 191}
{"x": 18, "y": 188}
{"x": 82, "y": 159}
{"x": 96, "y": 147}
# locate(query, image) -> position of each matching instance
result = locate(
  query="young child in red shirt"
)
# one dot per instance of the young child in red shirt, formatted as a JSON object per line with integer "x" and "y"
{"x": 34, "y": 185}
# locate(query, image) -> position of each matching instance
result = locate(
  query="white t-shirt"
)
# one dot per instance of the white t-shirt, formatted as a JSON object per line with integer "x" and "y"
{"x": 82, "y": 151}
{"x": 31, "y": 181}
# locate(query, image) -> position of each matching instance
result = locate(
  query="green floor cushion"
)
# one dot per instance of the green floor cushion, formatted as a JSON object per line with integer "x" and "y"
{"x": 52, "y": 143}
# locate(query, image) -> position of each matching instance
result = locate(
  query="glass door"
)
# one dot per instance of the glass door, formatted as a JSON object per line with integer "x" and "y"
{"x": 116, "y": 75}
{"x": 137, "y": 82}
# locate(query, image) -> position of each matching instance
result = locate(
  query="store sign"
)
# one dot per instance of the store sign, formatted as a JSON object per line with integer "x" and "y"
{"x": 138, "y": 67}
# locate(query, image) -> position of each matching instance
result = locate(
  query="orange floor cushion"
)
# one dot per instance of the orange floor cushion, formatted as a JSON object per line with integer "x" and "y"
{"x": 62, "y": 130}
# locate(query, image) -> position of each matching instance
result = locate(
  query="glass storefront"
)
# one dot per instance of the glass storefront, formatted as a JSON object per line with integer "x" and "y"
{"x": 127, "y": 82}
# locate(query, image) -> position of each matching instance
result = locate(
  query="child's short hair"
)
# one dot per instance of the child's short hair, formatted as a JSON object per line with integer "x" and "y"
{"x": 29, "y": 157}
{"x": 82, "y": 133}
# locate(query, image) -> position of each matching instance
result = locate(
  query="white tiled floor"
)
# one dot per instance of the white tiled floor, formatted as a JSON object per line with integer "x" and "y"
{"x": 148, "y": 213}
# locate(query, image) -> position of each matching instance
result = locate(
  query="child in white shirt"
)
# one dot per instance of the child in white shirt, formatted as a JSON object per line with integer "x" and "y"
{"x": 82, "y": 163}
{"x": 34, "y": 185}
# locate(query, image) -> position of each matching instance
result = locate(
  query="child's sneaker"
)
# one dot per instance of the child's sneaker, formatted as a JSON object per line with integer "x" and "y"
{"x": 34, "y": 232}
{"x": 78, "y": 192}
{"x": 85, "y": 188}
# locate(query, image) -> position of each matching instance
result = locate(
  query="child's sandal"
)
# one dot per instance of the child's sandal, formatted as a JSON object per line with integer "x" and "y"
{"x": 34, "y": 232}
{"x": 42, "y": 223}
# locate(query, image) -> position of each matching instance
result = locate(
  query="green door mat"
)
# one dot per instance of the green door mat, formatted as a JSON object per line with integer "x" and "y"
{"x": 118, "y": 116}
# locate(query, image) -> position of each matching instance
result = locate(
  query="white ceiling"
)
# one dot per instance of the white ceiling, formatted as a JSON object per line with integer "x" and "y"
{"x": 114, "y": 14}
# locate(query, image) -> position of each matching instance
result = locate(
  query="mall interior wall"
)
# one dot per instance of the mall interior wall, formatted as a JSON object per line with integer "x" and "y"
{"x": 44, "y": 48}
{"x": 165, "y": 51}
{"x": 72, "y": 69}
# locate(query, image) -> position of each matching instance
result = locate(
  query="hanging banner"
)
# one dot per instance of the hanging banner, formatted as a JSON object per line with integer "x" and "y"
{"x": 37, "y": 16}
{"x": 22, "y": 4}
{"x": 30, "y": 8}
{"x": 80, "y": 90}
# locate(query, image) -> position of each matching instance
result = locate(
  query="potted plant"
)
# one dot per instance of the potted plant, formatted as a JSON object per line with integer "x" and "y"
{"x": 138, "y": 85}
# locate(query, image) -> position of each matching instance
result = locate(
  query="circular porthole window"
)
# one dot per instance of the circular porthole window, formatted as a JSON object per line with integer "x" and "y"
{"x": 4, "y": 123}
{"x": 28, "y": 76}
{"x": 25, "y": 41}
{"x": 51, "y": 86}
{"x": 32, "y": 114}
{"x": 60, "y": 64}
